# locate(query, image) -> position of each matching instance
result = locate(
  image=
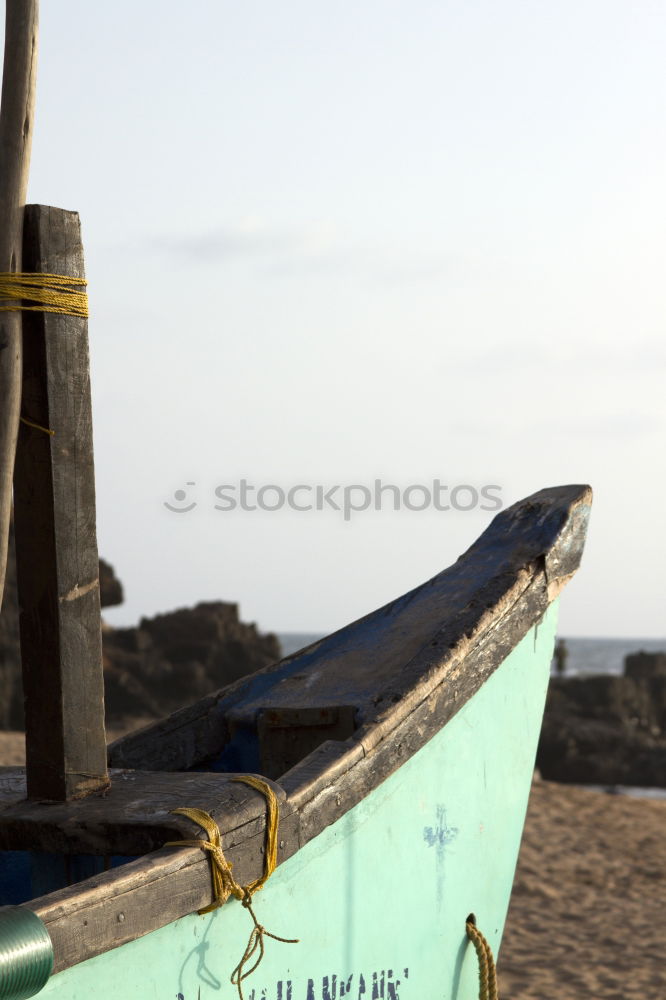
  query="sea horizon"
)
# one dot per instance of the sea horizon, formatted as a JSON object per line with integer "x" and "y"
{"x": 586, "y": 654}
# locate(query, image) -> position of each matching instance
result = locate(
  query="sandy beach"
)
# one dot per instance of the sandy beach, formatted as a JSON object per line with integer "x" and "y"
{"x": 587, "y": 912}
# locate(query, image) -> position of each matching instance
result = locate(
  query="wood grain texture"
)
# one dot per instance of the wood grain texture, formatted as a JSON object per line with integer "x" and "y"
{"x": 56, "y": 542}
{"x": 133, "y": 818}
{"x": 176, "y": 742}
{"x": 287, "y": 735}
{"x": 17, "y": 112}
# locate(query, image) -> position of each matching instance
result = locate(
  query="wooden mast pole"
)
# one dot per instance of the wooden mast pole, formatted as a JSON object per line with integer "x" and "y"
{"x": 16, "y": 127}
{"x": 57, "y": 565}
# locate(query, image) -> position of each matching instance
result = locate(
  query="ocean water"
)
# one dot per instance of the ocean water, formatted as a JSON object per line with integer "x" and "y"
{"x": 606, "y": 656}
{"x": 291, "y": 642}
{"x": 586, "y": 656}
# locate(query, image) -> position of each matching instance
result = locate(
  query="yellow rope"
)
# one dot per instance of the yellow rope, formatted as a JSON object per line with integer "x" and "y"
{"x": 224, "y": 883}
{"x": 38, "y": 427}
{"x": 55, "y": 293}
{"x": 487, "y": 970}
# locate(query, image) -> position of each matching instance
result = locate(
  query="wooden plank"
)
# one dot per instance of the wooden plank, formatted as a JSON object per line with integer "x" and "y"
{"x": 178, "y": 741}
{"x": 133, "y": 818}
{"x": 56, "y": 543}
{"x": 16, "y": 121}
{"x": 288, "y": 735}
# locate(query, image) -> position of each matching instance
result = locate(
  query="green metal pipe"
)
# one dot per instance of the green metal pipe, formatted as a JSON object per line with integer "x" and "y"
{"x": 26, "y": 953}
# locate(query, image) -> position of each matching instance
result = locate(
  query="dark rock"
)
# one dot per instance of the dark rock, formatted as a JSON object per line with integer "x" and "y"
{"x": 174, "y": 659}
{"x": 605, "y": 730}
{"x": 110, "y": 587}
{"x": 644, "y": 666}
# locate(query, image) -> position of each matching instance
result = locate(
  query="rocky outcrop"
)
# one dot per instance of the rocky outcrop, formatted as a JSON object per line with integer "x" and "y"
{"x": 645, "y": 666}
{"x": 110, "y": 587}
{"x": 174, "y": 659}
{"x": 165, "y": 663}
{"x": 606, "y": 729}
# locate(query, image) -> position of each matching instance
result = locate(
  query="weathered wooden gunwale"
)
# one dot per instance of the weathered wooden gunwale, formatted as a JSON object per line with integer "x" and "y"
{"x": 476, "y": 613}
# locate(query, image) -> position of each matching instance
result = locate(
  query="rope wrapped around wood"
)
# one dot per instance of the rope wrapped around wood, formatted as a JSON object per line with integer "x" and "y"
{"x": 224, "y": 883}
{"x": 52, "y": 293}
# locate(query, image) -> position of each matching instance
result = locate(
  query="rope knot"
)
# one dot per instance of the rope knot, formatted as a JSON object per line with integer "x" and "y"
{"x": 224, "y": 883}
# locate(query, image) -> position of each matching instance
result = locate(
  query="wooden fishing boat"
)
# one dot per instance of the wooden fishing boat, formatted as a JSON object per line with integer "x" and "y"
{"x": 372, "y": 786}
{"x": 400, "y": 751}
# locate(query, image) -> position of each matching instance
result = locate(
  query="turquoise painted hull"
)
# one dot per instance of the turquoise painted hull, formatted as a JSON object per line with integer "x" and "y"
{"x": 379, "y": 899}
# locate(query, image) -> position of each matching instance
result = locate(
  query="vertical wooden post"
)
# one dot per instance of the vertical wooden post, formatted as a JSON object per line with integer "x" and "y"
{"x": 17, "y": 112}
{"x": 56, "y": 542}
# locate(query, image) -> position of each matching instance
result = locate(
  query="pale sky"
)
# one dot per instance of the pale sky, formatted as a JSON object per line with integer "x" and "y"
{"x": 334, "y": 242}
